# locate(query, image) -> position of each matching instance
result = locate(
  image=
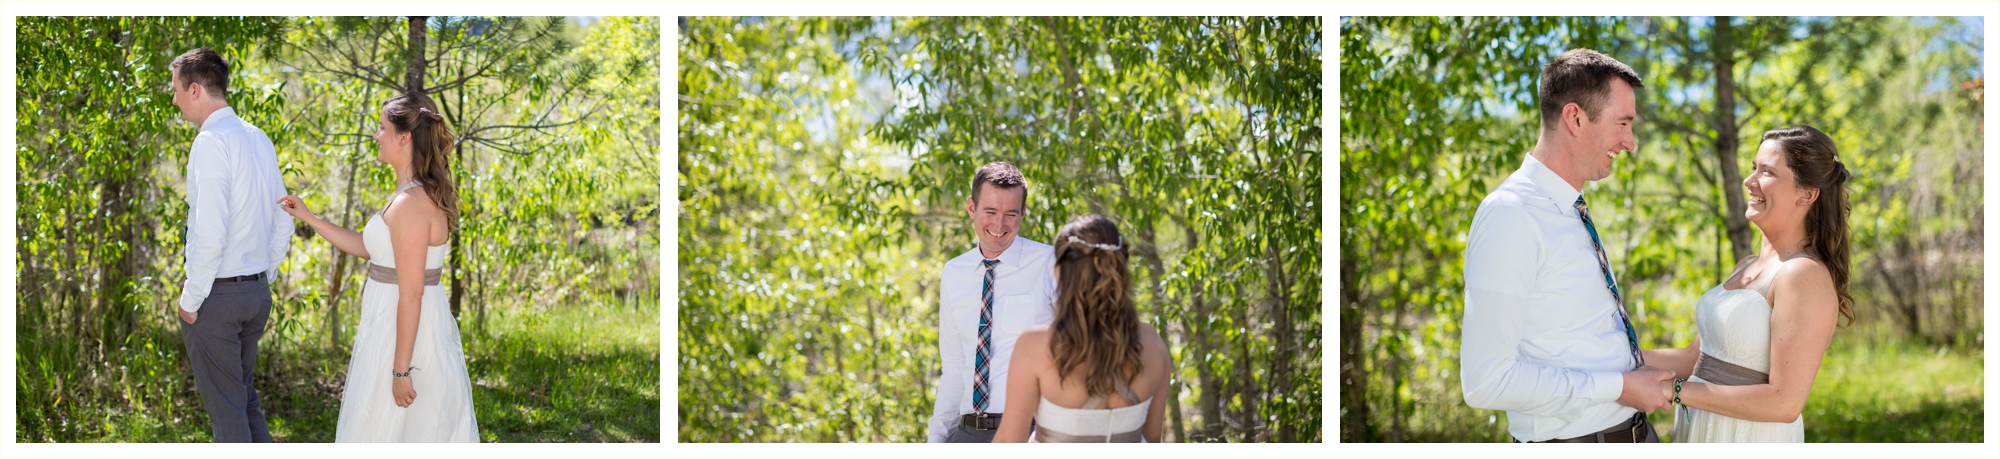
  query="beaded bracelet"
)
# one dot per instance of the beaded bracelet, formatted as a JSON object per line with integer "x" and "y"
{"x": 406, "y": 374}
{"x": 1677, "y": 389}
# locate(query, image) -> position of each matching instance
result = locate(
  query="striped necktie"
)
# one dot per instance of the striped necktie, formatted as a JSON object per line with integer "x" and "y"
{"x": 982, "y": 360}
{"x": 1604, "y": 265}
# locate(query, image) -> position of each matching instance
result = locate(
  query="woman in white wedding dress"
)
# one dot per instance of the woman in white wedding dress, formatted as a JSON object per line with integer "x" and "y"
{"x": 1096, "y": 374}
{"x": 1765, "y": 329}
{"x": 406, "y": 380}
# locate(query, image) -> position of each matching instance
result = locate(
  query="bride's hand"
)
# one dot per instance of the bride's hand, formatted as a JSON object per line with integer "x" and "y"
{"x": 403, "y": 390}
{"x": 295, "y": 206}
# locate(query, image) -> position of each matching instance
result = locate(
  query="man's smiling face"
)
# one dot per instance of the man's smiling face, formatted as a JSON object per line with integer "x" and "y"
{"x": 996, "y": 216}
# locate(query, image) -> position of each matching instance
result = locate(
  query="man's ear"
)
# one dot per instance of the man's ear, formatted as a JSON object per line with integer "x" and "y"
{"x": 1572, "y": 118}
{"x": 969, "y": 205}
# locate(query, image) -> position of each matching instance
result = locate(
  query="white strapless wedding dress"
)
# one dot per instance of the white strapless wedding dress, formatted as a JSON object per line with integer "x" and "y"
{"x": 1735, "y": 327}
{"x": 442, "y": 412}
{"x": 1056, "y": 424}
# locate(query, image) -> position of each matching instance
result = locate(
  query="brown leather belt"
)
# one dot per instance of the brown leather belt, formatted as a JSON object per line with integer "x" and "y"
{"x": 980, "y": 421}
{"x": 1631, "y": 431}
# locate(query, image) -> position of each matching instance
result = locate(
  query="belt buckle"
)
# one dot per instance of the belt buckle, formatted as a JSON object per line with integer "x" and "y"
{"x": 979, "y": 421}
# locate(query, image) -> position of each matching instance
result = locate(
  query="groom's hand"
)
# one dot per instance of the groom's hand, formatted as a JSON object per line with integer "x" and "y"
{"x": 1642, "y": 390}
{"x": 186, "y": 316}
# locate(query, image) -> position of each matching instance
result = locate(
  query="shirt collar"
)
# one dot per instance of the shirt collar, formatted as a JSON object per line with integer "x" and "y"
{"x": 1010, "y": 257}
{"x": 1548, "y": 182}
{"x": 217, "y": 115}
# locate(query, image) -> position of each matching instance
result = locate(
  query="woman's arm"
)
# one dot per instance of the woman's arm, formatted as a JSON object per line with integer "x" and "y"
{"x": 1162, "y": 365}
{"x": 345, "y": 239}
{"x": 1679, "y": 360}
{"x": 1024, "y": 387}
{"x": 409, "y": 220}
{"x": 1803, "y": 318}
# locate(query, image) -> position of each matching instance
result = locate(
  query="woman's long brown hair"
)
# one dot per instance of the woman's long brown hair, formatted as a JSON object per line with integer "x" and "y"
{"x": 431, "y": 140}
{"x": 1816, "y": 164}
{"x": 1096, "y": 329}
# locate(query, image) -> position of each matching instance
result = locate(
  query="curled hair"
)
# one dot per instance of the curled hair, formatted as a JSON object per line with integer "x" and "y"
{"x": 1096, "y": 326}
{"x": 431, "y": 140}
{"x": 1583, "y": 77}
{"x": 1816, "y": 164}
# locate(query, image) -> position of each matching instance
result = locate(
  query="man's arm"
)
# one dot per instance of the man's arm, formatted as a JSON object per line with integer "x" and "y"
{"x": 281, "y": 231}
{"x": 950, "y": 388}
{"x": 1502, "y": 257}
{"x": 208, "y": 219}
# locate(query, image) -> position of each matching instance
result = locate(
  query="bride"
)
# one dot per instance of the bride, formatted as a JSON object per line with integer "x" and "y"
{"x": 1078, "y": 379}
{"x": 1764, "y": 330}
{"x": 407, "y": 380}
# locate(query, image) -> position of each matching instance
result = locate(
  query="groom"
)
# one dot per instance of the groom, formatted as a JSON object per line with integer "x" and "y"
{"x": 987, "y": 296}
{"x": 1546, "y": 334}
{"x": 236, "y": 236}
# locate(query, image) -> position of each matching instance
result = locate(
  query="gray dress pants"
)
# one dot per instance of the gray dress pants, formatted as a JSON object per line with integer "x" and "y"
{"x": 222, "y": 352}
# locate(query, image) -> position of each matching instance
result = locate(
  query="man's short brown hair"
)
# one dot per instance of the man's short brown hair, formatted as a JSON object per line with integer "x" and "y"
{"x": 1001, "y": 175}
{"x": 1582, "y": 77}
{"x": 203, "y": 66}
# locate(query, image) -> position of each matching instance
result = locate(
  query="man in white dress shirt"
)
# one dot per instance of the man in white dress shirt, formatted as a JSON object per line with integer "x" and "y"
{"x": 236, "y": 237}
{"x": 986, "y": 297}
{"x": 1546, "y": 336}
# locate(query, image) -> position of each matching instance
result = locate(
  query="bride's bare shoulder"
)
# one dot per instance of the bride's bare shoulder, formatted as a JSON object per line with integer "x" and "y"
{"x": 1805, "y": 278}
{"x": 1152, "y": 346}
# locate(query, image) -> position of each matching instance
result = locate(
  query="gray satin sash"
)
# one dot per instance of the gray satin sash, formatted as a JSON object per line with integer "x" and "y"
{"x": 1721, "y": 372}
{"x": 387, "y": 275}
{"x": 1044, "y": 435}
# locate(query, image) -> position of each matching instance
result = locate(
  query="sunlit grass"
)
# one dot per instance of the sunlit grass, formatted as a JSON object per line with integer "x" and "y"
{"x": 570, "y": 373}
{"x": 1867, "y": 391}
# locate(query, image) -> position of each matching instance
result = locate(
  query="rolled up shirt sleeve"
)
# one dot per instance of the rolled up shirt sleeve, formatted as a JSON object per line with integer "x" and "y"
{"x": 1501, "y": 259}
{"x": 207, "y": 221}
{"x": 281, "y": 235}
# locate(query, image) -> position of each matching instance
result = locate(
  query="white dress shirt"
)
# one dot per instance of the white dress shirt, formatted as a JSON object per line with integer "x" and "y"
{"x": 1542, "y": 338}
{"x": 235, "y": 227}
{"x": 1024, "y": 295}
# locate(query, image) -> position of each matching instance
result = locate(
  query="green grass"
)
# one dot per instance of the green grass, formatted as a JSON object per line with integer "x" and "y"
{"x": 1898, "y": 392}
{"x": 1867, "y": 391}
{"x": 572, "y": 373}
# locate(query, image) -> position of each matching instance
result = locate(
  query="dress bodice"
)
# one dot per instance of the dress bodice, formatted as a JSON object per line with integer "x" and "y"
{"x": 1072, "y": 424}
{"x": 1735, "y": 324}
{"x": 1088, "y": 424}
{"x": 381, "y": 252}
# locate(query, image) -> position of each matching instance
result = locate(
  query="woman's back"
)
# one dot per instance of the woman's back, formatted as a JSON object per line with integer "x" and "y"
{"x": 1067, "y": 412}
{"x": 1095, "y": 374}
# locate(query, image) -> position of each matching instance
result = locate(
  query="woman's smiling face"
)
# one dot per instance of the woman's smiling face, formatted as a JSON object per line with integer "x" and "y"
{"x": 1771, "y": 191}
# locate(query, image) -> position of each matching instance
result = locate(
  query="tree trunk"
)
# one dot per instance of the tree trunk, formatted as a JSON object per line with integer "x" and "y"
{"x": 334, "y": 278}
{"x": 414, "y": 80}
{"x": 1353, "y": 381}
{"x": 1726, "y": 141}
{"x": 457, "y": 262}
{"x": 1281, "y": 307}
{"x": 1211, "y": 389}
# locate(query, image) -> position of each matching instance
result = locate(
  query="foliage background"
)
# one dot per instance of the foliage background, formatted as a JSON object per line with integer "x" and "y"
{"x": 554, "y": 271}
{"x": 1435, "y": 112}
{"x": 823, "y": 168}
